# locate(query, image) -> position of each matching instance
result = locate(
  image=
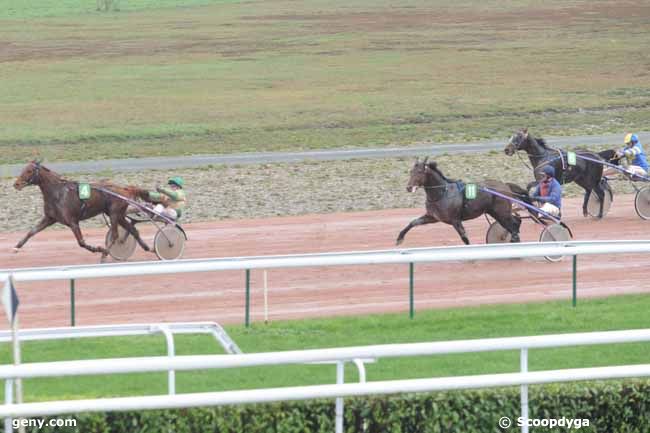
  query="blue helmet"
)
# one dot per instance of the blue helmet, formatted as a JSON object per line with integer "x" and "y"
{"x": 548, "y": 170}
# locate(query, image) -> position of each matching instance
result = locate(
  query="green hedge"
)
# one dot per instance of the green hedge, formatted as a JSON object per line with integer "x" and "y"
{"x": 610, "y": 407}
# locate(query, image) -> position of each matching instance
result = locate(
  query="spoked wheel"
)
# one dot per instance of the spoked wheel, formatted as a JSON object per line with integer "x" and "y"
{"x": 124, "y": 247}
{"x": 642, "y": 202}
{"x": 169, "y": 243}
{"x": 554, "y": 233}
{"x": 593, "y": 204}
{"x": 496, "y": 234}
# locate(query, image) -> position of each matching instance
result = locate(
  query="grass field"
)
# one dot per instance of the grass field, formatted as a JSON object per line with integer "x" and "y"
{"x": 170, "y": 77}
{"x": 617, "y": 313}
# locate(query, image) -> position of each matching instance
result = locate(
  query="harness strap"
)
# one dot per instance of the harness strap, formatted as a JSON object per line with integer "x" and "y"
{"x": 561, "y": 158}
{"x": 519, "y": 202}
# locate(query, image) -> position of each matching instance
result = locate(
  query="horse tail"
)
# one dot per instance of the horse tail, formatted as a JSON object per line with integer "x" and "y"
{"x": 137, "y": 192}
{"x": 519, "y": 193}
{"x": 608, "y": 155}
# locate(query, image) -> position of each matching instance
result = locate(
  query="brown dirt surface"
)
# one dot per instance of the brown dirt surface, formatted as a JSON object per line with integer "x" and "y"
{"x": 312, "y": 292}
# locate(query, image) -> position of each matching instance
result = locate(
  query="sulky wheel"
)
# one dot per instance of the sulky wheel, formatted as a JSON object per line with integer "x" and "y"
{"x": 169, "y": 243}
{"x": 593, "y": 205}
{"x": 642, "y": 202}
{"x": 496, "y": 234}
{"x": 124, "y": 247}
{"x": 554, "y": 233}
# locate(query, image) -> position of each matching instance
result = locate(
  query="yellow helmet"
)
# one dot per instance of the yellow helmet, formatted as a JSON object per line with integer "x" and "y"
{"x": 631, "y": 138}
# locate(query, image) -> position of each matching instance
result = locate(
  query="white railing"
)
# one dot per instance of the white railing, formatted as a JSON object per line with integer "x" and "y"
{"x": 395, "y": 256}
{"x": 171, "y": 328}
{"x": 340, "y": 390}
{"x": 168, "y": 330}
{"x": 404, "y": 256}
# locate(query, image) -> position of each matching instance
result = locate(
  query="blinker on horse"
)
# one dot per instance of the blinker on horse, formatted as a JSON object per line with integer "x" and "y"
{"x": 61, "y": 204}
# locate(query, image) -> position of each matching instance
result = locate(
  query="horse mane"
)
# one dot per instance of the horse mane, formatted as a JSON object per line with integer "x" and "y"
{"x": 434, "y": 166}
{"x": 53, "y": 173}
{"x": 541, "y": 142}
{"x": 129, "y": 191}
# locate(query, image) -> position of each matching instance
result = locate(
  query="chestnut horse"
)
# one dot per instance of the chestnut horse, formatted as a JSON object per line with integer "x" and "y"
{"x": 61, "y": 204}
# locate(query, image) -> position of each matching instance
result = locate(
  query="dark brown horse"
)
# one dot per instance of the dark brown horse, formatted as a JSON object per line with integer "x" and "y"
{"x": 62, "y": 204}
{"x": 446, "y": 201}
{"x": 586, "y": 174}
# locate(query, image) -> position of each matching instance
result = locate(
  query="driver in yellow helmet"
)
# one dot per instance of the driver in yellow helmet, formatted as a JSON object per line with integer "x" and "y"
{"x": 171, "y": 201}
{"x": 633, "y": 155}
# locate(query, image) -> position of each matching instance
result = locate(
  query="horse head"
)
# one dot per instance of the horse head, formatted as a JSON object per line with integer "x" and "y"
{"x": 420, "y": 173}
{"x": 417, "y": 175}
{"x": 29, "y": 176}
{"x": 516, "y": 142}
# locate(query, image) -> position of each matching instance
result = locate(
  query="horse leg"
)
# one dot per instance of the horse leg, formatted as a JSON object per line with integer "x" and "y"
{"x": 585, "y": 201}
{"x": 130, "y": 227}
{"x": 511, "y": 222}
{"x": 82, "y": 243}
{"x": 44, "y": 223}
{"x": 600, "y": 192}
{"x": 458, "y": 225}
{"x": 424, "y": 219}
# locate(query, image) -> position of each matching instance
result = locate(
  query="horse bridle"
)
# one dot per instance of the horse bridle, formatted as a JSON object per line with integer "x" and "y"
{"x": 445, "y": 186}
{"x": 519, "y": 149}
{"x": 35, "y": 174}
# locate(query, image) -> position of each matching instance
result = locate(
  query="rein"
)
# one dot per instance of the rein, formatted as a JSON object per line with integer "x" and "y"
{"x": 522, "y": 203}
{"x": 614, "y": 166}
{"x": 523, "y": 161}
{"x": 135, "y": 204}
{"x": 444, "y": 192}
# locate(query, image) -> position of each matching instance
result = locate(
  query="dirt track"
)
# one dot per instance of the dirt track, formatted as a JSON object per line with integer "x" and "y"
{"x": 311, "y": 292}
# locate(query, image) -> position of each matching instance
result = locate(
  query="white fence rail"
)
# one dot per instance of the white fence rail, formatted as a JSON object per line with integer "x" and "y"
{"x": 415, "y": 255}
{"x": 339, "y": 355}
{"x": 404, "y": 256}
{"x": 410, "y": 256}
{"x": 173, "y": 328}
{"x": 168, "y": 330}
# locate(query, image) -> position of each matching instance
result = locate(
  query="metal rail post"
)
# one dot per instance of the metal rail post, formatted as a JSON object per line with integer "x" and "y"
{"x": 340, "y": 371}
{"x": 523, "y": 363}
{"x": 72, "y": 301}
{"x": 411, "y": 292}
{"x": 575, "y": 280}
{"x": 266, "y": 299}
{"x": 9, "y": 393}
{"x": 247, "y": 320}
{"x": 171, "y": 352}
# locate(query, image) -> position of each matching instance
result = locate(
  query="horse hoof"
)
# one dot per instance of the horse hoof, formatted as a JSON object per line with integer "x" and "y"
{"x": 16, "y": 250}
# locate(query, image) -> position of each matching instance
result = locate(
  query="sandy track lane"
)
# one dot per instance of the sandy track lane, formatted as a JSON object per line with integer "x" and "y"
{"x": 318, "y": 292}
